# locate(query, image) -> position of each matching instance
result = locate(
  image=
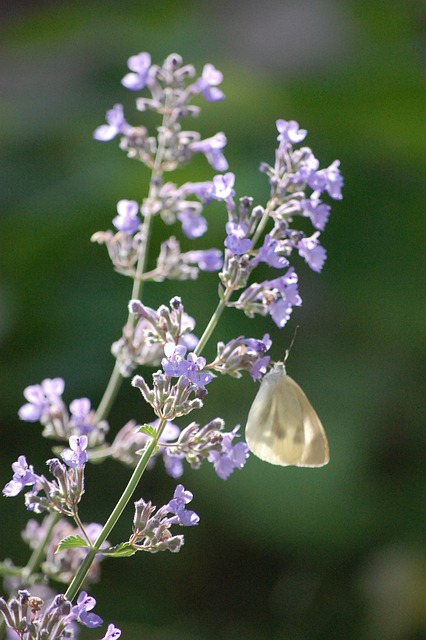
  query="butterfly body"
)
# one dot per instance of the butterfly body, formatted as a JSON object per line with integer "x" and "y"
{"x": 282, "y": 426}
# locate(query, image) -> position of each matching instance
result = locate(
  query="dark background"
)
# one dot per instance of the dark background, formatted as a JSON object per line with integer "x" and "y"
{"x": 333, "y": 553}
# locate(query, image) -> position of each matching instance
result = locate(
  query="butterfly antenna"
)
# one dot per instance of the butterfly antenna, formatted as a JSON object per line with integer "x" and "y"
{"x": 287, "y": 352}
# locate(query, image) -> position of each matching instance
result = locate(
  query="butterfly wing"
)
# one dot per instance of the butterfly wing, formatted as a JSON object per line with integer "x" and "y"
{"x": 282, "y": 427}
{"x": 315, "y": 450}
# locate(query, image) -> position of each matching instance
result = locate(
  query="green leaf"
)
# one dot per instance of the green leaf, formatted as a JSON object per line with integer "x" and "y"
{"x": 148, "y": 430}
{"x": 71, "y": 542}
{"x": 122, "y": 550}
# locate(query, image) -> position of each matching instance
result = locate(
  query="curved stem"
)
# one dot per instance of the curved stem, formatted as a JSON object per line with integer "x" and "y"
{"x": 115, "y": 514}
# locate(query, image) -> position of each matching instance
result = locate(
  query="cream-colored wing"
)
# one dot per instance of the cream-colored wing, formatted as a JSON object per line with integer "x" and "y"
{"x": 282, "y": 427}
{"x": 315, "y": 451}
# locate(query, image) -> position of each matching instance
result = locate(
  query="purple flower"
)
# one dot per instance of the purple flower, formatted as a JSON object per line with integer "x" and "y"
{"x": 116, "y": 124}
{"x": 139, "y": 65}
{"x": 306, "y": 172}
{"x": 208, "y": 260}
{"x": 212, "y": 149}
{"x": 286, "y": 297}
{"x": 289, "y": 131}
{"x": 207, "y": 84}
{"x": 223, "y": 186}
{"x": 269, "y": 253}
{"x": 181, "y": 497}
{"x": 203, "y": 190}
{"x": 329, "y": 180}
{"x": 80, "y": 410}
{"x": 80, "y": 611}
{"x": 316, "y": 210}
{"x": 23, "y": 476}
{"x": 231, "y": 457}
{"x": 76, "y": 456}
{"x": 236, "y": 240}
{"x": 193, "y": 225}
{"x": 112, "y": 633}
{"x": 127, "y": 219}
{"x": 195, "y": 372}
{"x": 259, "y": 368}
{"x": 40, "y": 397}
{"x": 174, "y": 364}
{"x": 173, "y": 464}
{"x": 311, "y": 251}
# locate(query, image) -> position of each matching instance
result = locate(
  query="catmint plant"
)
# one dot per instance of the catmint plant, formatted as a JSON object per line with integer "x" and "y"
{"x": 160, "y": 350}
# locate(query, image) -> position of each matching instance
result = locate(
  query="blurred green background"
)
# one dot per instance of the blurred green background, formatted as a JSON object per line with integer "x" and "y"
{"x": 338, "y": 552}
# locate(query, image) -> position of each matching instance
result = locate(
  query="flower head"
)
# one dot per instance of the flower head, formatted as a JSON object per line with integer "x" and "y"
{"x": 23, "y": 475}
{"x": 208, "y": 82}
{"x": 127, "y": 219}
{"x": 116, "y": 125}
{"x": 139, "y": 66}
{"x": 76, "y": 456}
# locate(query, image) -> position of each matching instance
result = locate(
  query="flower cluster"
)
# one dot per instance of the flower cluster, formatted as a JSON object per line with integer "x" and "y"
{"x": 45, "y": 405}
{"x": 30, "y": 618}
{"x": 194, "y": 444}
{"x": 143, "y": 342}
{"x": 151, "y": 532}
{"x": 62, "y": 494}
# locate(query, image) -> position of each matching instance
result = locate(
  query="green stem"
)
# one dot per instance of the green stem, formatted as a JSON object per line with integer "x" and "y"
{"x": 79, "y": 577}
{"x": 213, "y": 321}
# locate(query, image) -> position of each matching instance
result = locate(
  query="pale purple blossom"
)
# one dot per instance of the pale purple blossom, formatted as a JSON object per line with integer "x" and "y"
{"x": 259, "y": 368}
{"x": 127, "y": 219}
{"x": 307, "y": 170}
{"x": 80, "y": 412}
{"x": 81, "y": 611}
{"x": 177, "y": 505}
{"x": 203, "y": 190}
{"x": 286, "y": 297}
{"x": 230, "y": 457}
{"x": 193, "y": 225}
{"x": 174, "y": 364}
{"x": 195, "y": 372}
{"x": 311, "y": 251}
{"x": 207, "y": 84}
{"x": 269, "y": 253}
{"x": 139, "y": 66}
{"x": 23, "y": 475}
{"x": 207, "y": 260}
{"x": 223, "y": 186}
{"x": 41, "y": 397}
{"x": 329, "y": 180}
{"x": 316, "y": 210}
{"x": 212, "y": 149}
{"x": 76, "y": 456}
{"x": 236, "y": 240}
{"x": 116, "y": 125}
{"x": 289, "y": 131}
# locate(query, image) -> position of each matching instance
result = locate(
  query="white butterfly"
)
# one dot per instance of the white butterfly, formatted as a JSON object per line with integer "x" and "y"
{"x": 282, "y": 427}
